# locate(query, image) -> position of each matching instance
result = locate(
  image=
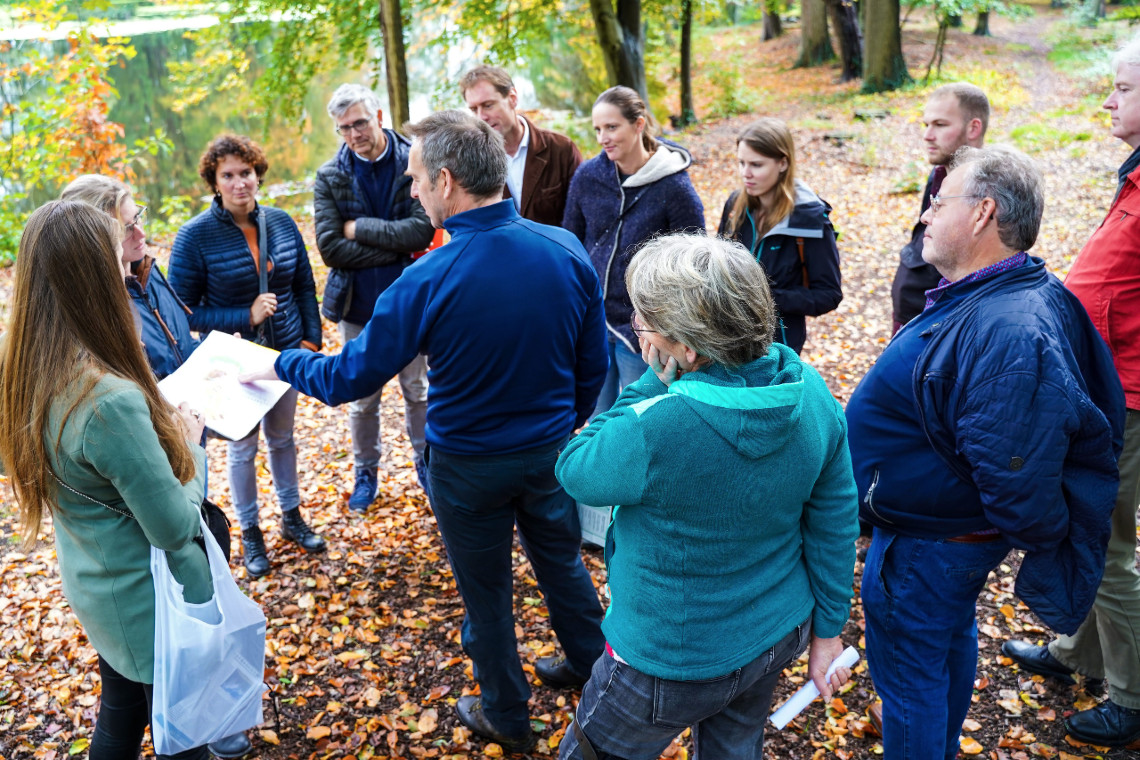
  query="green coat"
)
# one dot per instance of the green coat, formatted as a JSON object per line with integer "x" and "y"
{"x": 109, "y": 451}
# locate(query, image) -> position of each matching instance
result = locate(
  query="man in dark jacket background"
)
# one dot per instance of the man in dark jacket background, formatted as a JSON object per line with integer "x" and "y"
{"x": 540, "y": 163}
{"x": 368, "y": 225}
{"x": 957, "y": 114}
{"x": 992, "y": 420}
{"x": 1106, "y": 277}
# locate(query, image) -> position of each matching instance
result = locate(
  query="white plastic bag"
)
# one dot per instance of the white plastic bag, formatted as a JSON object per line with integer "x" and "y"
{"x": 209, "y": 658}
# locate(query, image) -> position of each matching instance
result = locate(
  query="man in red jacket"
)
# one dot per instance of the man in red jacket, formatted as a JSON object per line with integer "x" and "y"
{"x": 1106, "y": 278}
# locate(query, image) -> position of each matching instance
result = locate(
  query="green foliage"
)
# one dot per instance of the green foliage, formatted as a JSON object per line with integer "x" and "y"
{"x": 731, "y": 96}
{"x": 1085, "y": 52}
{"x": 1039, "y": 136}
{"x": 912, "y": 180}
{"x": 55, "y": 102}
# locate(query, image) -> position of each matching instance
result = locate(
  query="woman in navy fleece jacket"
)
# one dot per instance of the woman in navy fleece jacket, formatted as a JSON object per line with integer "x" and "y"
{"x": 637, "y": 187}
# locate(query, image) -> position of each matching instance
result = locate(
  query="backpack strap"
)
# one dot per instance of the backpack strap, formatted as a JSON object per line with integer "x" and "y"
{"x": 803, "y": 266}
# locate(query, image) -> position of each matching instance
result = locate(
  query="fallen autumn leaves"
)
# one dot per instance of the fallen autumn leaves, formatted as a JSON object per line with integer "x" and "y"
{"x": 363, "y": 650}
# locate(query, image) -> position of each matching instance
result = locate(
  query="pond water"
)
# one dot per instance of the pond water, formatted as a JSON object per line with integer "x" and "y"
{"x": 294, "y": 150}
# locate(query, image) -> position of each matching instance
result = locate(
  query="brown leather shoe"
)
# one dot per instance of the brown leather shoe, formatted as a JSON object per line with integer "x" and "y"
{"x": 875, "y": 716}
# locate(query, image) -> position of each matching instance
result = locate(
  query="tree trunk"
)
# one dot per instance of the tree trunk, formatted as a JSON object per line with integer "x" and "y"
{"x": 688, "y": 115}
{"x": 1056, "y": 3}
{"x": 623, "y": 48}
{"x": 884, "y": 67}
{"x": 395, "y": 65}
{"x": 815, "y": 44}
{"x": 845, "y": 19}
{"x": 982, "y": 29}
{"x": 939, "y": 46}
{"x": 954, "y": 21}
{"x": 770, "y": 11}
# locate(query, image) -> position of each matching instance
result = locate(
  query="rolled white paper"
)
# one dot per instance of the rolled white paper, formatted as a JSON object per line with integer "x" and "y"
{"x": 809, "y": 691}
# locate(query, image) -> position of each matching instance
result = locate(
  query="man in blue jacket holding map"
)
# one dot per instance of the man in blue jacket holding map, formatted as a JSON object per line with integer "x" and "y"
{"x": 509, "y": 314}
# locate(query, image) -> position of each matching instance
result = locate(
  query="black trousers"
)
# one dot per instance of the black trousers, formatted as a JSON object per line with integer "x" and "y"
{"x": 124, "y": 713}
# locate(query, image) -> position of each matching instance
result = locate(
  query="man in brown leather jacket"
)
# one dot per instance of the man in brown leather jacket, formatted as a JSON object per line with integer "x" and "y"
{"x": 540, "y": 163}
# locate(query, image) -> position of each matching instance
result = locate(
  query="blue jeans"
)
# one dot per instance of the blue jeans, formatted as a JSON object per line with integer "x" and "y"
{"x": 630, "y": 715}
{"x": 364, "y": 414}
{"x": 920, "y": 602}
{"x": 478, "y": 500}
{"x": 625, "y": 367}
{"x": 278, "y": 426}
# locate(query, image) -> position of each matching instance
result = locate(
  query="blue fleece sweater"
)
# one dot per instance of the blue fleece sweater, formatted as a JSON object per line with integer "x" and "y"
{"x": 737, "y": 516}
{"x": 509, "y": 314}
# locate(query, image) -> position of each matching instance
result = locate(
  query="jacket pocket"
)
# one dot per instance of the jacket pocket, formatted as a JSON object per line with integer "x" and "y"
{"x": 869, "y": 498}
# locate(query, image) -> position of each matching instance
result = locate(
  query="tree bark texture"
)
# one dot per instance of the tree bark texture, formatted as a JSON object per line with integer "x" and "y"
{"x": 884, "y": 67}
{"x": 395, "y": 65}
{"x": 619, "y": 36}
{"x": 688, "y": 114}
{"x": 845, "y": 19}
{"x": 770, "y": 10}
{"x": 982, "y": 28}
{"x": 815, "y": 44}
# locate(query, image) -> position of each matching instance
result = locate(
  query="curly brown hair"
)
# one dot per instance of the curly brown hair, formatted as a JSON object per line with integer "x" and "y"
{"x": 231, "y": 145}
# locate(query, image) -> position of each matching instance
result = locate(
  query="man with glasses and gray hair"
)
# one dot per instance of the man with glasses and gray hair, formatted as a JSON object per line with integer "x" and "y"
{"x": 510, "y": 316}
{"x": 991, "y": 421}
{"x": 368, "y": 226}
{"x": 1106, "y": 277}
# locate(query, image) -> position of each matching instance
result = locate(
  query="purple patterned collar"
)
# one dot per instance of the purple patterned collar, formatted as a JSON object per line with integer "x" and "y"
{"x": 1013, "y": 262}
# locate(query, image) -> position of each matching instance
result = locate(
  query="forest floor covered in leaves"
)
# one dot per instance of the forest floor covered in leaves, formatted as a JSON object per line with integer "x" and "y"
{"x": 363, "y": 646}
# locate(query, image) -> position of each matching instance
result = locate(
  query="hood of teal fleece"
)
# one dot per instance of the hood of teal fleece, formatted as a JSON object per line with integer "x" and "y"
{"x": 754, "y": 407}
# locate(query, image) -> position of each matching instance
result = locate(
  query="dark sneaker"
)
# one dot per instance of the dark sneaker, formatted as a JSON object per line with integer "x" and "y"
{"x": 470, "y": 710}
{"x": 1035, "y": 659}
{"x": 364, "y": 490}
{"x": 556, "y": 673}
{"x": 1108, "y": 724}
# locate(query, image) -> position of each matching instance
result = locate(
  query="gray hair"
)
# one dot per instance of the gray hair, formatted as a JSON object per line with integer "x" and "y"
{"x": 706, "y": 292}
{"x": 348, "y": 95}
{"x": 1129, "y": 54}
{"x": 466, "y": 146}
{"x": 1015, "y": 183}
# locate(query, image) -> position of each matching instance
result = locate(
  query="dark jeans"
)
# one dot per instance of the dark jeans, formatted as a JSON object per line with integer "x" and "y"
{"x": 478, "y": 500}
{"x": 920, "y": 602}
{"x": 124, "y": 713}
{"x": 628, "y": 715}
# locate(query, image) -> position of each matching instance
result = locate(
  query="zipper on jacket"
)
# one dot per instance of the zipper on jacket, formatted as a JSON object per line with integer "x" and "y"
{"x": 617, "y": 239}
{"x": 869, "y": 499}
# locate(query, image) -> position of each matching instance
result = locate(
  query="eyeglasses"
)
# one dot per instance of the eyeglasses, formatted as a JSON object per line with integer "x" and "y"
{"x": 139, "y": 218}
{"x": 635, "y": 325}
{"x": 356, "y": 126}
{"x": 938, "y": 201}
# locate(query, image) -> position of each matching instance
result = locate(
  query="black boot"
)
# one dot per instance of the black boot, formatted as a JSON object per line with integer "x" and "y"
{"x": 253, "y": 552}
{"x": 294, "y": 528}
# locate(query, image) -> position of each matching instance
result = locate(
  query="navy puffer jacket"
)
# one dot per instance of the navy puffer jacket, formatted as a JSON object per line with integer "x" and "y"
{"x": 613, "y": 218}
{"x": 1017, "y": 394}
{"x": 163, "y": 323}
{"x": 212, "y": 270}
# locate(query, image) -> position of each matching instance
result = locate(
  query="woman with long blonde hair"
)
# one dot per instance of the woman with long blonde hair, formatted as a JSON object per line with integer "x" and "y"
{"x": 86, "y": 436}
{"x": 786, "y": 227}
